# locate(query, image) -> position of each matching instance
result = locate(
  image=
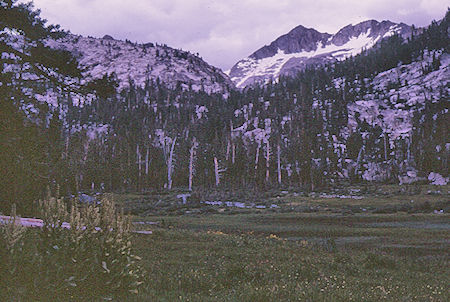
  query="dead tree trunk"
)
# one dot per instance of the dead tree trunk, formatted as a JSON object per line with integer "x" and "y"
{"x": 267, "y": 161}
{"x": 311, "y": 172}
{"x": 233, "y": 153}
{"x": 192, "y": 153}
{"x": 146, "y": 162}
{"x": 170, "y": 164}
{"x": 138, "y": 156}
{"x": 279, "y": 163}
{"x": 257, "y": 159}
{"x": 216, "y": 171}
{"x": 358, "y": 160}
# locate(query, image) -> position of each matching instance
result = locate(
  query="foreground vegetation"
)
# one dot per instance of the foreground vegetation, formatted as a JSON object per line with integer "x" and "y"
{"x": 90, "y": 261}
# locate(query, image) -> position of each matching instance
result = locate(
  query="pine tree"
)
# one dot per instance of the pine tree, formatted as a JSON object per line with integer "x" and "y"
{"x": 26, "y": 64}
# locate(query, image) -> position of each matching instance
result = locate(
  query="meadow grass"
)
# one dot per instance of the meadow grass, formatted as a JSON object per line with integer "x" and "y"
{"x": 270, "y": 255}
{"x": 311, "y": 247}
{"x": 196, "y": 264}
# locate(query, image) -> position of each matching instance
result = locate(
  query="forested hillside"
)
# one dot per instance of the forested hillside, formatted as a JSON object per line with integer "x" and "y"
{"x": 379, "y": 116}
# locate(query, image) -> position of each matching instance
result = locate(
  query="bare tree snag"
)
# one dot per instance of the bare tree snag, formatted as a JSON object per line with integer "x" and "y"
{"x": 216, "y": 171}
{"x": 192, "y": 153}
{"x": 279, "y": 163}
{"x": 267, "y": 161}
{"x": 170, "y": 164}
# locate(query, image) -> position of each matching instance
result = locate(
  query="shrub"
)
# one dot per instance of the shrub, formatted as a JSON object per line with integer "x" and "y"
{"x": 91, "y": 260}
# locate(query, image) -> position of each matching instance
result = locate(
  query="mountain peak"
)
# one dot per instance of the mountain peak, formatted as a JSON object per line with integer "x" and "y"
{"x": 298, "y": 39}
{"x": 303, "y": 46}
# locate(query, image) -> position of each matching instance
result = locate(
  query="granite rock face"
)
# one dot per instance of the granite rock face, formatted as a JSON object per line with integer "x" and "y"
{"x": 142, "y": 62}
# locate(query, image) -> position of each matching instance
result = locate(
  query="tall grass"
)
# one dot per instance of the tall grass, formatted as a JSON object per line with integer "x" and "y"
{"x": 92, "y": 260}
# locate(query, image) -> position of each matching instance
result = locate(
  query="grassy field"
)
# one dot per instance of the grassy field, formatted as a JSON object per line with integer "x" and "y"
{"x": 369, "y": 248}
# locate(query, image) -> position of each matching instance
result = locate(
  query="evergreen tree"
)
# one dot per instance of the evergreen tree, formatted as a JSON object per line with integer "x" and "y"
{"x": 28, "y": 158}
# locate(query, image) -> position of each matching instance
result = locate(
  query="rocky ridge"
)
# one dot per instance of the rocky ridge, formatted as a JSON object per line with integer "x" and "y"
{"x": 141, "y": 62}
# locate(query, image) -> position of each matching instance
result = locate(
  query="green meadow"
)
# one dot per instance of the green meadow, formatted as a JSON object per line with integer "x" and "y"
{"x": 387, "y": 244}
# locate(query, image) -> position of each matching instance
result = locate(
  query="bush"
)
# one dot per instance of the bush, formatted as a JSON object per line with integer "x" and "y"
{"x": 92, "y": 260}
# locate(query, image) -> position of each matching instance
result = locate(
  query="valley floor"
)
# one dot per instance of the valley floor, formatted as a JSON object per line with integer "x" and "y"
{"x": 285, "y": 254}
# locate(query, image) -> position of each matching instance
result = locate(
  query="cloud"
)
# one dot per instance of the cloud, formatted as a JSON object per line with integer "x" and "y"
{"x": 225, "y": 31}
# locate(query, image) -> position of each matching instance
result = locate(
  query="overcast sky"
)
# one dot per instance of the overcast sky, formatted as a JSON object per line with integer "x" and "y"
{"x": 225, "y": 31}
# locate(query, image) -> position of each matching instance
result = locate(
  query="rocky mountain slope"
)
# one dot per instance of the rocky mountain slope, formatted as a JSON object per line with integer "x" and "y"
{"x": 306, "y": 46}
{"x": 394, "y": 99}
{"x": 384, "y": 109}
{"x": 141, "y": 62}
